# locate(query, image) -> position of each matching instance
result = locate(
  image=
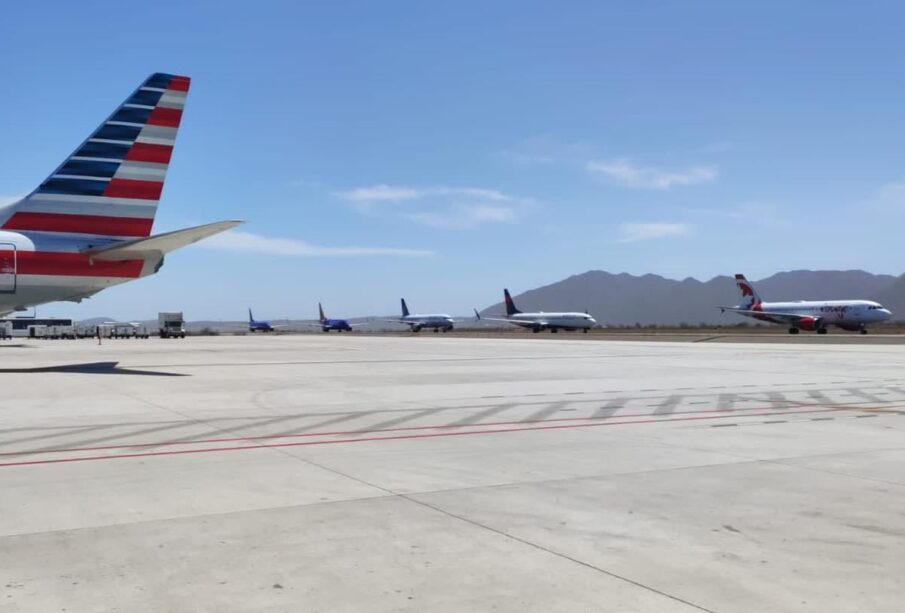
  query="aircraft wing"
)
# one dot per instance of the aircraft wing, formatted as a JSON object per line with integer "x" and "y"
{"x": 161, "y": 243}
{"x": 517, "y": 321}
{"x": 791, "y": 318}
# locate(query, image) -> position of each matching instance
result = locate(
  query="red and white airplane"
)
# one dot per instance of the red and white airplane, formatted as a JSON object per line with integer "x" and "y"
{"x": 88, "y": 225}
{"x": 851, "y": 315}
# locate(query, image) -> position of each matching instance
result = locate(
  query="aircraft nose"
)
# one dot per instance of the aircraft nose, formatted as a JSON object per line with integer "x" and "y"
{"x": 886, "y": 313}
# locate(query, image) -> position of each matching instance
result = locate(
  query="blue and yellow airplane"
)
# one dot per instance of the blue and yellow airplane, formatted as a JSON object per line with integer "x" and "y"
{"x": 326, "y": 324}
{"x": 258, "y": 326}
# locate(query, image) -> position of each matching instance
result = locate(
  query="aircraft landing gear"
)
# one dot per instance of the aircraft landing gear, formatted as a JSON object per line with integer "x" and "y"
{"x": 793, "y": 330}
{"x": 436, "y": 330}
{"x": 554, "y": 330}
{"x": 863, "y": 329}
{"x": 821, "y": 330}
{"x": 585, "y": 330}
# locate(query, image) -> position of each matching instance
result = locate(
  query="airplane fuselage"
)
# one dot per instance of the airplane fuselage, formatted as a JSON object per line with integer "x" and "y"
{"x": 40, "y": 267}
{"x": 340, "y": 325}
{"x": 845, "y": 314}
{"x": 438, "y": 321}
{"x": 553, "y": 321}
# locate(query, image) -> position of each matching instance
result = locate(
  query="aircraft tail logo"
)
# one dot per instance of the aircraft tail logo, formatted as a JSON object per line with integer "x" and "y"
{"x": 320, "y": 312}
{"x": 510, "y": 304}
{"x": 750, "y": 298}
{"x": 111, "y": 184}
{"x": 251, "y": 317}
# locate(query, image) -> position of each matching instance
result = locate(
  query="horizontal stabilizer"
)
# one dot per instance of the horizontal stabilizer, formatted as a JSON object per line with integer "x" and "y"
{"x": 161, "y": 243}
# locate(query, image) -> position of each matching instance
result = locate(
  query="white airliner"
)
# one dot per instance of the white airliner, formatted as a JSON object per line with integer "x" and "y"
{"x": 554, "y": 322}
{"x": 88, "y": 225}
{"x": 437, "y": 321}
{"x": 811, "y": 315}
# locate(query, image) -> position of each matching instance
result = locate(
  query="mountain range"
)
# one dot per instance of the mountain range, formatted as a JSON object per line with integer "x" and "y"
{"x": 625, "y": 300}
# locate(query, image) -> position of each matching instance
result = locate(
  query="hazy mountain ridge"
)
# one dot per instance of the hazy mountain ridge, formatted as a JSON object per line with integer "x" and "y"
{"x": 624, "y": 299}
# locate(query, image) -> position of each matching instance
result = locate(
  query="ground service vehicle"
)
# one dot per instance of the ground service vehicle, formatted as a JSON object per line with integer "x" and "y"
{"x": 171, "y": 325}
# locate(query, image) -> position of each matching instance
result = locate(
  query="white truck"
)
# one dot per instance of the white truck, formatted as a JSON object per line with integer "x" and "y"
{"x": 171, "y": 325}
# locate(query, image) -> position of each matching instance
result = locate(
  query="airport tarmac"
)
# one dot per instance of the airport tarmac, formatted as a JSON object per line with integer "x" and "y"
{"x": 439, "y": 473}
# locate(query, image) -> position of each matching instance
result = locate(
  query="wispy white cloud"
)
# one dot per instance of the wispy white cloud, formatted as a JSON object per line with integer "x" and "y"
{"x": 391, "y": 193}
{"x": 237, "y": 240}
{"x": 631, "y": 232}
{"x": 440, "y": 206}
{"x": 466, "y": 216}
{"x": 624, "y": 172}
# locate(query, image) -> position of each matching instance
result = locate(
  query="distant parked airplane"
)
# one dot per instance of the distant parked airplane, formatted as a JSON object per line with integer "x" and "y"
{"x": 326, "y": 324}
{"x": 255, "y": 325}
{"x": 811, "y": 315}
{"x": 88, "y": 225}
{"x": 437, "y": 321}
{"x": 554, "y": 322}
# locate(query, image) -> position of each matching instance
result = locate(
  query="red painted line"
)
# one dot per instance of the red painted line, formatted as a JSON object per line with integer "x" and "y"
{"x": 235, "y": 439}
{"x": 376, "y": 438}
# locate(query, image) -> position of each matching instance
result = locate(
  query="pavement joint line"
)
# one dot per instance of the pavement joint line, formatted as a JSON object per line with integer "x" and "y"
{"x": 412, "y": 499}
{"x": 560, "y": 554}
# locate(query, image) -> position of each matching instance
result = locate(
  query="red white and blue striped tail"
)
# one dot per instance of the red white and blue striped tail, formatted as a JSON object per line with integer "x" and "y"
{"x": 111, "y": 184}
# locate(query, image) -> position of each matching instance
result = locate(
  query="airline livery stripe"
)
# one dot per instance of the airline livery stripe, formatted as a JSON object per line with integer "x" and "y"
{"x": 105, "y": 207}
{"x": 102, "y": 150}
{"x": 165, "y": 117}
{"x": 180, "y": 84}
{"x": 130, "y": 188}
{"x": 146, "y": 152}
{"x": 101, "y": 225}
{"x": 130, "y": 115}
{"x": 159, "y": 79}
{"x": 145, "y": 97}
{"x": 88, "y": 168}
{"x": 40, "y": 199}
{"x": 83, "y": 187}
{"x": 117, "y": 133}
{"x": 74, "y": 265}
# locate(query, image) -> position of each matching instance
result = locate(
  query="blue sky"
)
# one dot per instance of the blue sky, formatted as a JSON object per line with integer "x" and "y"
{"x": 441, "y": 151}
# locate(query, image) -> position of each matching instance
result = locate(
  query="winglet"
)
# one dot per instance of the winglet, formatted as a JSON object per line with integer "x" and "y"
{"x": 477, "y": 316}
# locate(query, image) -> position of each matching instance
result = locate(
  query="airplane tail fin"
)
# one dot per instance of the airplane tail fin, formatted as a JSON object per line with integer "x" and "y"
{"x": 510, "y": 304}
{"x": 110, "y": 185}
{"x": 320, "y": 312}
{"x": 477, "y": 316}
{"x": 251, "y": 317}
{"x": 750, "y": 296}
{"x": 405, "y": 309}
